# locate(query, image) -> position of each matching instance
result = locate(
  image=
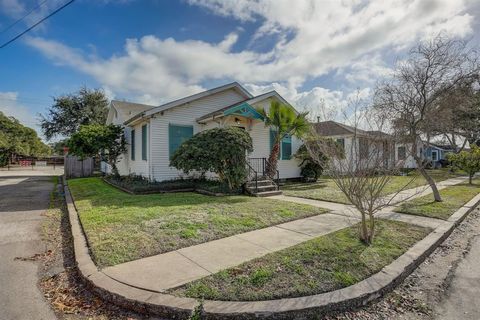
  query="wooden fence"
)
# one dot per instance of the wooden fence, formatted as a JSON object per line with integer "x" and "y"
{"x": 76, "y": 168}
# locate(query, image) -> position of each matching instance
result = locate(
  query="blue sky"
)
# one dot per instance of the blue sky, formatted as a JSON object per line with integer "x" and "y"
{"x": 315, "y": 53}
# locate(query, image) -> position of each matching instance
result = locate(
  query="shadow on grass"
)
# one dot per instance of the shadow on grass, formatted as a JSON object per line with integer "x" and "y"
{"x": 99, "y": 193}
{"x": 307, "y": 186}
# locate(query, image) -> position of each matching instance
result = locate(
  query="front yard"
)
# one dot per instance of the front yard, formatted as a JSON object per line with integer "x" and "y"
{"x": 453, "y": 198}
{"x": 121, "y": 227}
{"x": 323, "y": 264}
{"x": 325, "y": 188}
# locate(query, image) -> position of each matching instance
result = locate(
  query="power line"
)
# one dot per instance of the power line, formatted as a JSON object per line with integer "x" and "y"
{"x": 36, "y": 24}
{"x": 26, "y": 15}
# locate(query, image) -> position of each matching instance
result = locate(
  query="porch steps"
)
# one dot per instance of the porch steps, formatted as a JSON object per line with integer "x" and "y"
{"x": 268, "y": 193}
{"x": 262, "y": 188}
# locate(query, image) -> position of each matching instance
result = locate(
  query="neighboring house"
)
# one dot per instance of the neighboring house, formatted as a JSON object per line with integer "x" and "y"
{"x": 155, "y": 132}
{"x": 432, "y": 154}
{"x": 359, "y": 143}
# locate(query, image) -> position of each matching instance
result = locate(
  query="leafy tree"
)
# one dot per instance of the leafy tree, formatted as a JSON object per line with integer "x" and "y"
{"x": 16, "y": 139}
{"x": 108, "y": 141}
{"x": 219, "y": 150}
{"x": 412, "y": 96}
{"x": 469, "y": 161}
{"x": 310, "y": 169}
{"x": 58, "y": 147}
{"x": 71, "y": 111}
{"x": 284, "y": 121}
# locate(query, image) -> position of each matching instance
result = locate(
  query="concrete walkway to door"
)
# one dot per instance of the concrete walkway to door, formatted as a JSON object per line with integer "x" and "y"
{"x": 164, "y": 271}
{"x": 24, "y": 196}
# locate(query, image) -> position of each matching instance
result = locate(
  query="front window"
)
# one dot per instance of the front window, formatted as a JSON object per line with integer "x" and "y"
{"x": 132, "y": 145}
{"x": 402, "y": 153}
{"x": 178, "y": 134}
{"x": 363, "y": 148}
{"x": 285, "y": 145}
{"x": 144, "y": 142}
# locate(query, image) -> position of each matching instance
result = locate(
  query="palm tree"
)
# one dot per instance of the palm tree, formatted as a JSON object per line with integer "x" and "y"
{"x": 284, "y": 121}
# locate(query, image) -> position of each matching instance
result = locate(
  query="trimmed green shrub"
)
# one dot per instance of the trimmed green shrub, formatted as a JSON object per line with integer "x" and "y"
{"x": 310, "y": 169}
{"x": 219, "y": 150}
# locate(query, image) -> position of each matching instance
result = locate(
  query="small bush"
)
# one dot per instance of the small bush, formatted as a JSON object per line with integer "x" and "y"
{"x": 310, "y": 169}
{"x": 219, "y": 150}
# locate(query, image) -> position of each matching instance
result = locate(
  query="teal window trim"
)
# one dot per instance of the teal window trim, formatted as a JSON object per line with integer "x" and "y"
{"x": 132, "y": 145}
{"x": 245, "y": 110}
{"x": 177, "y": 134}
{"x": 144, "y": 142}
{"x": 285, "y": 146}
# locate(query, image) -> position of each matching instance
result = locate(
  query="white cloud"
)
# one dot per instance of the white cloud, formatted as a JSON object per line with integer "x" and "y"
{"x": 350, "y": 37}
{"x": 12, "y": 8}
{"x": 11, "y": 107}
{"x": 322, "y": 104}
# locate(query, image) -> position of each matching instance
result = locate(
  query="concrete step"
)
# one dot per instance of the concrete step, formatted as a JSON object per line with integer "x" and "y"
{"x": 263, "y": 188}
{"x": 268, "y": 193}
{"x": 260, "y": 183}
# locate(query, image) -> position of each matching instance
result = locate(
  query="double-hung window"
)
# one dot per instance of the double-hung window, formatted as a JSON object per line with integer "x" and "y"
{"x": 132, "y": 145}
{"x": 285, "y": 145}
{"x": 178, "y": 134}
{"x": 402, "y": 153}
{"x": 144, "y": 142}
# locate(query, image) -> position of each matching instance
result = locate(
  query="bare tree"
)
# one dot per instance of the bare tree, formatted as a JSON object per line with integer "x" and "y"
{"x": 411, "y": 97}
{"x": 362, "y": 166}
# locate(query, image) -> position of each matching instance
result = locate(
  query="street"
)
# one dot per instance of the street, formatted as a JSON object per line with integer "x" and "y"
{"x": 24, "y": 196}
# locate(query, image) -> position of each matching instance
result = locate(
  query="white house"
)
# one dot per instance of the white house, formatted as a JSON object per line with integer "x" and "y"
{"x": 367, "y": 148}
{"x": 155, "y": 132}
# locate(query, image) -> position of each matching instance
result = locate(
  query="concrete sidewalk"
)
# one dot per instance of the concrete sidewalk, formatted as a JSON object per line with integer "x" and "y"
{"x": 164, "y": 271}
{"x": 172, "y": 269}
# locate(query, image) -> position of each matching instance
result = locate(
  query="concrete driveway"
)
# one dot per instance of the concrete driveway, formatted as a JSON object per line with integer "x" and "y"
{"x": 24, "y": 196}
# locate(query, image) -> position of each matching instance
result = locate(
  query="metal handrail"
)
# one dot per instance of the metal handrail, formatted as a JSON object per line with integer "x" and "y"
{"x": 256, "y": 175}
{"x": 277, "y": 180}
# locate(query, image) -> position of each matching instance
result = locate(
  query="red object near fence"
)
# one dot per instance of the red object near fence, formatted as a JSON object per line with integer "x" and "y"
{"x": 25, "y": 163}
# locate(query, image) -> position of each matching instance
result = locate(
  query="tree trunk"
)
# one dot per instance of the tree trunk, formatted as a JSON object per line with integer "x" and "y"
{"x": 470, "y": 177}
{"x": 271, "y": 169}
{"x": 431, "y": 183}
{"x": 418, "y": 160}
{"x": 367, "y": 229}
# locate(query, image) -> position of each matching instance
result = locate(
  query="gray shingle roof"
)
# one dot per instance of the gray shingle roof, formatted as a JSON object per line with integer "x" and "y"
{"x": 129, "y": 109}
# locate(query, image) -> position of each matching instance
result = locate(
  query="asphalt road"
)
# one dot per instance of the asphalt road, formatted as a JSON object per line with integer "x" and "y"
{"x": 24, "y": 196}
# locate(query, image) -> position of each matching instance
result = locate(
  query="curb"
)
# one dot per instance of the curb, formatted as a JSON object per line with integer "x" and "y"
{"x": 173, "y": 307}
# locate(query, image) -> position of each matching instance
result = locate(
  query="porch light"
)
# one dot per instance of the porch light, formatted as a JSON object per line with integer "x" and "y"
{"x": 237, "y": 121}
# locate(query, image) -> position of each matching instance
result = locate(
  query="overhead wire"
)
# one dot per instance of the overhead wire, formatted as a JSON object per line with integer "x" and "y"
{"x": 36, "y": 24}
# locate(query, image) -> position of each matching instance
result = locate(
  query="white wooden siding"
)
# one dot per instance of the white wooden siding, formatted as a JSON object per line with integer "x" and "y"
{"x": 182, "y": 115}
{"x": 138, "y": 166}
{"x": 157, "y": 166}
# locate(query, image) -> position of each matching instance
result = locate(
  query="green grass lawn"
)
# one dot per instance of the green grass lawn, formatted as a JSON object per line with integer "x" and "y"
{"x": 121, "y": 227}
{"x": 323, "y": 264}
{"x": 453, "y": 198}
{"x": 326, "y": 190}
